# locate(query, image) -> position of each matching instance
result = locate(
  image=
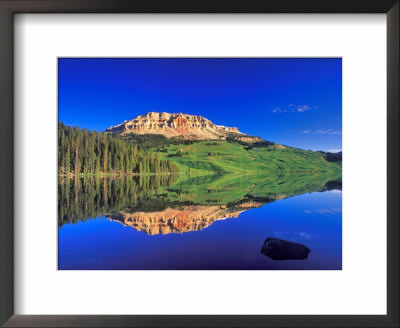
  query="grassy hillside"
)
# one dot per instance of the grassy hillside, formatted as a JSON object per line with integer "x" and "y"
{"x": 233, "y": 188}
{"x": 94, "y": 196}
{"x": 219, "y": 157}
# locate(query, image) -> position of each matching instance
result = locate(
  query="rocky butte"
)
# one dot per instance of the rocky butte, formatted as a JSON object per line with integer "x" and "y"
{"x": 179, "y": 220}
{"x": 179, "y": 125}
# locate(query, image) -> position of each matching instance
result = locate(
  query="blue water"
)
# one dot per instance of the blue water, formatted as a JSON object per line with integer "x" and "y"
{"x": 313, "y": 220}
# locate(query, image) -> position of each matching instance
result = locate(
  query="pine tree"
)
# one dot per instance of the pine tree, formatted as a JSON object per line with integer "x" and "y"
{"x": 83, "y": 152}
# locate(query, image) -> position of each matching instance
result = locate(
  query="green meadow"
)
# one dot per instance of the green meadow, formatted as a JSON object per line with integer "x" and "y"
{"x": 222, "y": 157}
{"x": 236, "y": 188}
{"x": 220, "y": 172}
{"x": 103, "y": 174}
{"x": 94, "y": 196}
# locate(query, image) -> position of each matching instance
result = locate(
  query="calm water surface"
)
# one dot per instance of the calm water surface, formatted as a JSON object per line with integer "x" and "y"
{"x": 150, "y": 225}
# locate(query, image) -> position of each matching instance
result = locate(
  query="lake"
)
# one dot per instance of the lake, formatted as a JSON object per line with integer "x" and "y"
{"x": 199, "y": 223}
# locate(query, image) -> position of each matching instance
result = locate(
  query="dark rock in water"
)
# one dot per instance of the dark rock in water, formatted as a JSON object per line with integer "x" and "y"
{"x": 279, "y": 249}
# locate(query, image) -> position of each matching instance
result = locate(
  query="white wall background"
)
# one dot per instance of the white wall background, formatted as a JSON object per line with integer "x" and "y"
{"x": 360, "y": 288}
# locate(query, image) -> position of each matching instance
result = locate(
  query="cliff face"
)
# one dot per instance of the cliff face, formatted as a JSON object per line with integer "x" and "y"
{"x": 175, "y": 125}
{"x": 171, "y": 220}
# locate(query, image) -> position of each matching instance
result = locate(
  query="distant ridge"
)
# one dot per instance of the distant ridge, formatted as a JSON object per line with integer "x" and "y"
{"x": 180, "y": 125}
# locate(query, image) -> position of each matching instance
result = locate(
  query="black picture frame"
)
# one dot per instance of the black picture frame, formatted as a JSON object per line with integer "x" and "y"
{"x": 10, "y": 7}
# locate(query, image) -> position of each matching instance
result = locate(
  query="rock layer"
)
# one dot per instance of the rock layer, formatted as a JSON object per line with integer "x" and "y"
{"x": 178, "y": 125}
{"x": 179, "y": 220}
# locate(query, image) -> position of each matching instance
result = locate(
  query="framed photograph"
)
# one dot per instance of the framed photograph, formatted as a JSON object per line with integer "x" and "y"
{"x": 199, "y": 164}
{"x": 174, "y": 182}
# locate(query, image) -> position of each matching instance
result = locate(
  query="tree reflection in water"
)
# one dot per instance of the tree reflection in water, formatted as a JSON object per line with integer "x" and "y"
{"x": 161, "y": 204}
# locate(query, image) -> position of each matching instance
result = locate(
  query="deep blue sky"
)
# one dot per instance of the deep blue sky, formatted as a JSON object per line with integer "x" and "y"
{"x": 296, "y": 102}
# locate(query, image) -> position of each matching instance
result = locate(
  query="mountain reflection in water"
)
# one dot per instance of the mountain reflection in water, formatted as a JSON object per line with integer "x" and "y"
{"x": 164, "y": 204}
{"x": 178, "y": 220}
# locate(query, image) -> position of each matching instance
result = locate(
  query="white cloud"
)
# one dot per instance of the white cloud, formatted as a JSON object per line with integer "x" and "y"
{"x": 324, "y": 210}
{"x": 294, "y": 236}
{"x": 324, "y": 132}
{"x": 305, "y": 235}
{"x": 321, "y": 131}
{"x": 302, "y": 108}
{"x": 292, "y": 108}
{"x": 279, "y": 110}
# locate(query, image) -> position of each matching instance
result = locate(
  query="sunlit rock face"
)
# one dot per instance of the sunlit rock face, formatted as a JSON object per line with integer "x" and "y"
{"x": 179, "y": 125}
{"x": 179, "y": 220}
